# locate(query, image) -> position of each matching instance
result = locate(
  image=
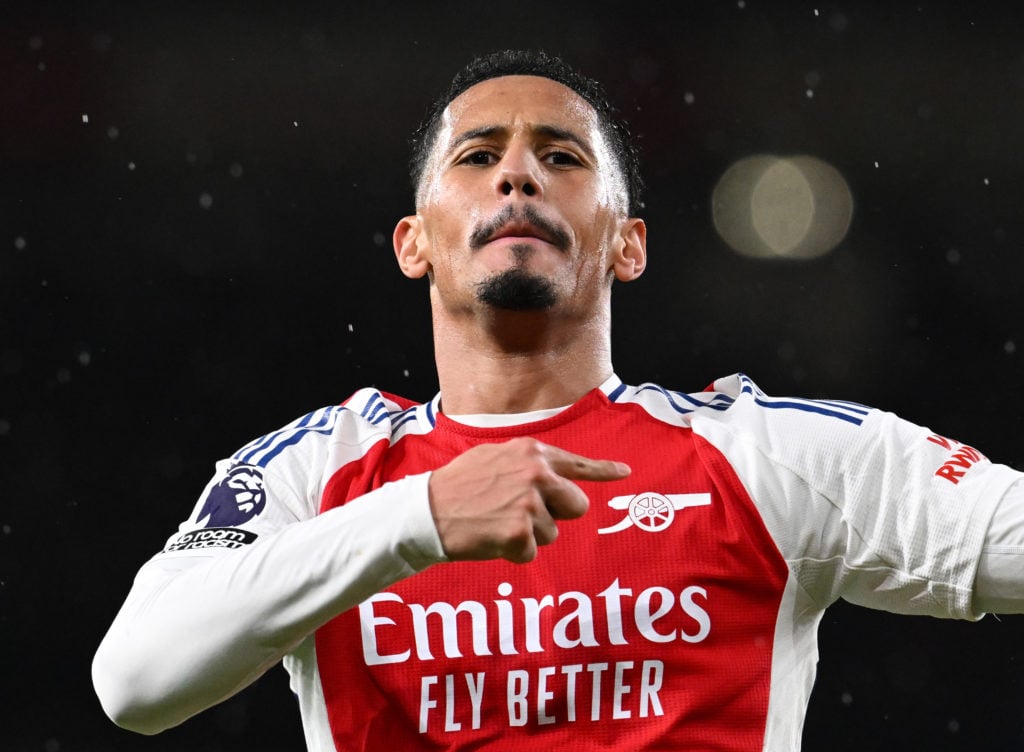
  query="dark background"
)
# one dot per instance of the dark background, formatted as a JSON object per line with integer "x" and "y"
{"x": 209, "y": 257}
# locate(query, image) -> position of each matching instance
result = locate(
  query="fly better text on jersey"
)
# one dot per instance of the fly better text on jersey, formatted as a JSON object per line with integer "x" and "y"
{"x": 546, "y": 695}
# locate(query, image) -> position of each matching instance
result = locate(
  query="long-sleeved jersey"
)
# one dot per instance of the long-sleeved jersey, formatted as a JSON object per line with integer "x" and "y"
{"x": 680, "y": 612}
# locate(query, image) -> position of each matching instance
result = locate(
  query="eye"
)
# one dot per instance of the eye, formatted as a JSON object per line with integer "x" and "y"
{"x": 562, "y": 159}
{"x": 479, "y": 157}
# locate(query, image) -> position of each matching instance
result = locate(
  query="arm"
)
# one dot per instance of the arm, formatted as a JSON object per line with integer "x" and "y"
{"x": 999, "y": 584}
{"x": 868, "y": 507}
{"x": 195, "y": 631}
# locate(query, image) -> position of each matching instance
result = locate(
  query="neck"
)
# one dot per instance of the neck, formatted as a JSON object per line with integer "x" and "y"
{"x": 518, "y": 361}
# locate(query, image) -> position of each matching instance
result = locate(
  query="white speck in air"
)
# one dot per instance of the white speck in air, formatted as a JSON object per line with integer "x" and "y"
{"x": 205, "y": 200}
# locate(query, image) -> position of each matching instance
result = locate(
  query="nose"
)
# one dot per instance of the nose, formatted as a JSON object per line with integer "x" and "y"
{"x": 518, "y": 173}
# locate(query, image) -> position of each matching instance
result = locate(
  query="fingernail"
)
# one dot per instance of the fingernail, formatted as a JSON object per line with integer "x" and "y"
{"x": 623, "y": 468}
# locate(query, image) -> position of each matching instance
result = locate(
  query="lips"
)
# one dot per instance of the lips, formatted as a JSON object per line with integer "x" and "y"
{"x": 521, "y": 230}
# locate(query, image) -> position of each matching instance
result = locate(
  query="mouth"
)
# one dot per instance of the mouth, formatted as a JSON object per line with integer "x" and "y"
{"x": 523, "y": 226}
{"x": 521, "y": 231}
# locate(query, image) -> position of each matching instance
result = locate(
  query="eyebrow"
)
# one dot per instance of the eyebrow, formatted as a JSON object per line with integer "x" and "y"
{"x": 550, "y": 131}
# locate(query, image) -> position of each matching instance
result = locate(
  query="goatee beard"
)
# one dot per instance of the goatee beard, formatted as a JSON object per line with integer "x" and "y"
{"x": 516, "y": 290}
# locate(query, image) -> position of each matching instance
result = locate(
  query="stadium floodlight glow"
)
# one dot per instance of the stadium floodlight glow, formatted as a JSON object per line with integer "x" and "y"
{"x": 772, "y": 207}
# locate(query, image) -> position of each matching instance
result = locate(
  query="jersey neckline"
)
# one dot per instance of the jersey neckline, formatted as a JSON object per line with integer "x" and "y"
{"x": 519, "y": 424}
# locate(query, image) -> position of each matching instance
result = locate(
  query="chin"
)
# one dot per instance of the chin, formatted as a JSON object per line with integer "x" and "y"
{"x": 517, "y": 290}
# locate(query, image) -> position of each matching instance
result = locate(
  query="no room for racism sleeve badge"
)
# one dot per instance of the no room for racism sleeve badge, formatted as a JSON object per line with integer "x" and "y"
{"x": 236, "y": 499}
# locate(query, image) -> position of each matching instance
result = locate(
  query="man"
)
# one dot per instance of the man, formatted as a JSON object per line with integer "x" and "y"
{"x": 391, "y": 552}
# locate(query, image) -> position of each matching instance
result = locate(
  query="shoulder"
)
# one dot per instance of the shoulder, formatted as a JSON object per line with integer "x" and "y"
{"x": 729, "y": 397}
{"x": 748, "y": 398}
{"x": 796, "y": 432}
{"x": 369, "y": 414}
{"x": 733, "y": 410}
{"x": 377, "y": 407}
{"x": 667, "y": 405}
{"x": 385, "y": 413}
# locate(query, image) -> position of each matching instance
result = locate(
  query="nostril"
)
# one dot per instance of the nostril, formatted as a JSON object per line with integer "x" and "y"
{"x": 529, "y": 190}
{"x": 506, "y": 188}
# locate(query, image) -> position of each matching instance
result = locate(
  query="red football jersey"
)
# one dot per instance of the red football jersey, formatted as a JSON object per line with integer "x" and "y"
{"x": 680, "y": 612}
{"x": 653, "y": 634}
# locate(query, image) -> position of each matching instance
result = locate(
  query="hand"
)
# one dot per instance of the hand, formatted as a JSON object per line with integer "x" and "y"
{"x": 500, "y": 501}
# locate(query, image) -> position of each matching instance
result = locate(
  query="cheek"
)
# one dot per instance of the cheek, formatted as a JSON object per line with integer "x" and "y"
{"x": 452, "y": 213}
{"x": 598, "y": 229}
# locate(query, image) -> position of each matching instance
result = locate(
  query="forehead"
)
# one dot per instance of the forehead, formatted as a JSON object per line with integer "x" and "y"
{"x": 519, "y": 101}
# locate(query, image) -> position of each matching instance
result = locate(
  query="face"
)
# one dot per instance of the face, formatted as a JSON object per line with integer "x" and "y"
{"x": 521, "y": 185}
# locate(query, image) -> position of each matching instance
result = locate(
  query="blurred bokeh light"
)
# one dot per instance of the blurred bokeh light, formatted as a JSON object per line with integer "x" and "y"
{"x": 771, "y": 207}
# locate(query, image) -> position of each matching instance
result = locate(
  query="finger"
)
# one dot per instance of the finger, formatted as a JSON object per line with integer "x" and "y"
{"x": 542, "y": 530}
{"x": 578, "y": 467}
{"x": 563, "y": 499}
{"x": 545, "y": 529}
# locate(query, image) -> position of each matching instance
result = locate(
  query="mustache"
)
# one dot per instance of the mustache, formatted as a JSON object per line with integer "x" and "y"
{"x": 526, "y": 215}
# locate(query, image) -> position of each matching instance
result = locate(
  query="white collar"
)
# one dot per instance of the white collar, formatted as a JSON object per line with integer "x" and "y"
{"x": 497, "y": 420}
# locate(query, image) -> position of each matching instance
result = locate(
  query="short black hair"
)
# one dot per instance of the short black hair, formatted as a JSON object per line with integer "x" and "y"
{"x": 534, "y": 63}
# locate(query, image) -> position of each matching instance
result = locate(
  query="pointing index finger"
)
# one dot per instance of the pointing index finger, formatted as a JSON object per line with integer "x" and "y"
{"x": 578, "y": 467}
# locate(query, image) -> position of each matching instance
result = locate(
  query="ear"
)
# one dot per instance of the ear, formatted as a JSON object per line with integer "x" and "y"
{"x": 410, "y": 247}
{"x": 631, "y": 259}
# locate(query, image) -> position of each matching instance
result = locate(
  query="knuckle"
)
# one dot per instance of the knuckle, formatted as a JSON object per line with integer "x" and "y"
{"x": 532, "y": 461}
{"x": 521, "y": 531}
{"x": 528, "y": 446}
{"x": 543, "y": 476}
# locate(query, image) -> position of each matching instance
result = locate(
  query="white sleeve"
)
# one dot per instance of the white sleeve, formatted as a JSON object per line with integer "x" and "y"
{"x": 999, "y": 585}
{"x": 221, "y": 605}
{"x": 863, "y": 505}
